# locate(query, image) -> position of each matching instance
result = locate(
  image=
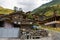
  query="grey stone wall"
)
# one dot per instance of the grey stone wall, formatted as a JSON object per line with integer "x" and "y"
{"x": 9, "y": 32}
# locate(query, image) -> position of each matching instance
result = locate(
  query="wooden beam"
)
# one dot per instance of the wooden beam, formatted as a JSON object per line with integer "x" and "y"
{"x": 52, "y": 22}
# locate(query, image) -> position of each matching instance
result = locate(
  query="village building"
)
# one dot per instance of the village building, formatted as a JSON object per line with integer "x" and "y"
{"x": 20, "y": 20}
{"x": 17, "y": 20}
{"x": 53, "y": 21}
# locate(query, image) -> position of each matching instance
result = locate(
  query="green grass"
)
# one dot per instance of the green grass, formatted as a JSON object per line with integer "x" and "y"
{"x": 5, "y": 10}
{"x": 51, "y": 28}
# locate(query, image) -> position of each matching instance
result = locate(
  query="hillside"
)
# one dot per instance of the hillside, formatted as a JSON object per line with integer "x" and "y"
{"x": 5, "y": 10}
{"x": 48, "y": 8}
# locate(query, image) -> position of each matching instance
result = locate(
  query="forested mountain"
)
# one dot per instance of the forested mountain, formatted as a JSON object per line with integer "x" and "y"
{"x": 48, "y": 8}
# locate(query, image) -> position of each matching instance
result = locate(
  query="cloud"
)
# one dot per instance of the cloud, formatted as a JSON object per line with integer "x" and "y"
{"x": 26, "y": 5}
{"x": 32, "y": 4}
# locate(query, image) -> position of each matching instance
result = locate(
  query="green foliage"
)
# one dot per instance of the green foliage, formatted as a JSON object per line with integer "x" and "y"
{"x": 30, "y": 16}
{"x": 48, "y": 8}
{"x": 49, "y": 13}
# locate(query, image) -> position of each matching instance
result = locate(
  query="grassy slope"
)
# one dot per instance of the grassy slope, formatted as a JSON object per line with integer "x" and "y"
{"x": 5, "y": 11}
{"x": 42, "y": 8}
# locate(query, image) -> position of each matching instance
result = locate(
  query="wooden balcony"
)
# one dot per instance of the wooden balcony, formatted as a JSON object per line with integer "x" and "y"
{"x": 52, "y": 22}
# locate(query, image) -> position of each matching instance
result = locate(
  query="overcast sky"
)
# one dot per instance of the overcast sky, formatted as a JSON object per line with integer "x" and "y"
{"x": 26, "y": 5}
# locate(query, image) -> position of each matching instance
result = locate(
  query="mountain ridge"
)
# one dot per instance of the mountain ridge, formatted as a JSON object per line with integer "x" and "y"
{"x": 52, "y": 3}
